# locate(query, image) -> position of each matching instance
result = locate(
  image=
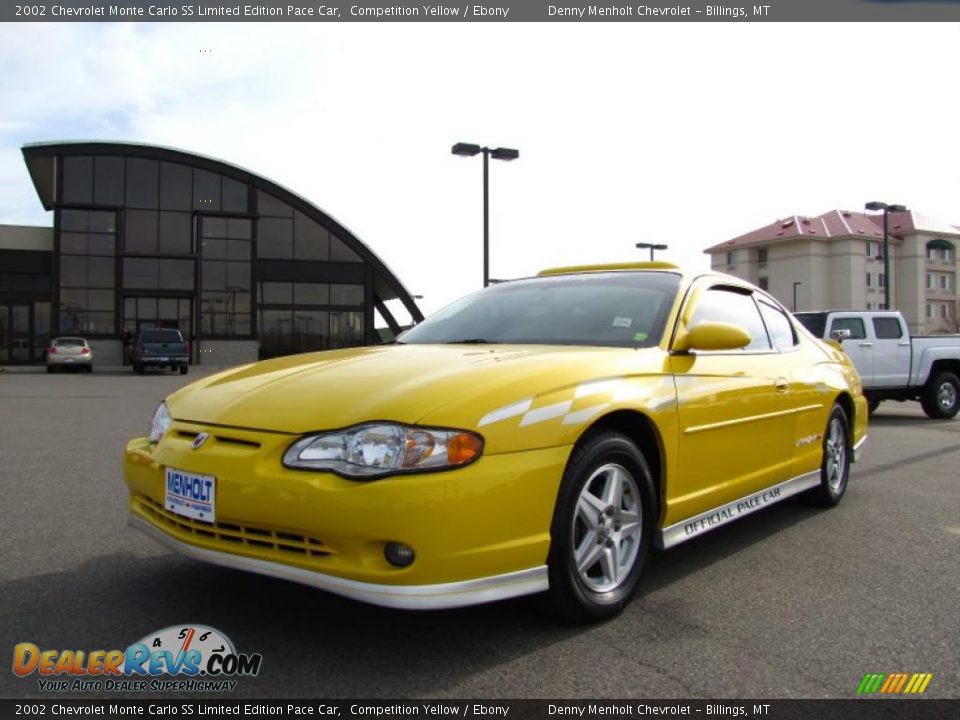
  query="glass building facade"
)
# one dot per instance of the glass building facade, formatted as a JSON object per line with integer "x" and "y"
{"x": 154, "y": 237}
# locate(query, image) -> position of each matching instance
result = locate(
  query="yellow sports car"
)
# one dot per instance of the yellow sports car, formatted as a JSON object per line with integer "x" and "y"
{"x": 538, "y": 436}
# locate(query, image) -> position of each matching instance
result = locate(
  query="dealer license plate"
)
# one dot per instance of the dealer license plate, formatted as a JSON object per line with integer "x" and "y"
{"x": 163, "y": 359}
{"x": 191, "y": 495}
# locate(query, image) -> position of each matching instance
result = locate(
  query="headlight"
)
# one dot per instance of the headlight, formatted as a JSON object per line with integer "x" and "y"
{"x": 377, "y": 449}
{"x": 160, "y": 423}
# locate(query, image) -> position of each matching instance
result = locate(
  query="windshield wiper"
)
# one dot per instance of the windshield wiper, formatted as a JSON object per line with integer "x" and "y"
{"x": 469, "y": 341}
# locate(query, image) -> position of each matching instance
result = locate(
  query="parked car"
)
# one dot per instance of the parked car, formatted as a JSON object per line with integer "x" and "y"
{"x": 160, "y": 347}
{"x": 892, "y": 364}
{"x": 69, "y": 353}
{"x": 538, "y": 436}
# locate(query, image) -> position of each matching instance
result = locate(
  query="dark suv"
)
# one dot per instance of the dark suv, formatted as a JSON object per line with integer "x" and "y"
{"x": 160, "y": 347}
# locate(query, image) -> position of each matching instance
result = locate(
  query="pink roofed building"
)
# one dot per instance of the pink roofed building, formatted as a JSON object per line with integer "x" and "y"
{"x": 835, "y": 261}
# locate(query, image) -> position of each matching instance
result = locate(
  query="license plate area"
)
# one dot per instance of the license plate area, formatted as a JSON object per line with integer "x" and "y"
{"x": 191, "y": 495}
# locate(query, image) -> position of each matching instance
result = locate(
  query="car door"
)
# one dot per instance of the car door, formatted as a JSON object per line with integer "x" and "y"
{"x": 891, "y": 352}
{"x": 859, "y": 345}
{"x": 735, "y": 408}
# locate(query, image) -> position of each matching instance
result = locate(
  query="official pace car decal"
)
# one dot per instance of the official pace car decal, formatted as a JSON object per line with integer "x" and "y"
{"x": 179, "y": 658}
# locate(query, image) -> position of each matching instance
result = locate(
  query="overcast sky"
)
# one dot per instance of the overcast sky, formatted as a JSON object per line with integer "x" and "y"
{"x": 686, "y": 134}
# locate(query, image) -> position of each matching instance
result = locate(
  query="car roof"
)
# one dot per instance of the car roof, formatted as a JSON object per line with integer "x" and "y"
{"x": 607, "y": 267}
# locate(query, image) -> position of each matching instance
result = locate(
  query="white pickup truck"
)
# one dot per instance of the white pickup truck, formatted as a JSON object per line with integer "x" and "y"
{"x": 893, "y": 365}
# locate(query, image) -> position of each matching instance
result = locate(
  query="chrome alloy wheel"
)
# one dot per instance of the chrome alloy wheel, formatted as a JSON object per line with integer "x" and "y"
{"x": 836, "y": 451}
{"x": 946, "y": 396}
{"x": 607, "y": 528}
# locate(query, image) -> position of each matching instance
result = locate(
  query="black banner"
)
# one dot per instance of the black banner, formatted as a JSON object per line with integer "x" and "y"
{"x": 482, "y": 11}
{"x": 487, "y": 709}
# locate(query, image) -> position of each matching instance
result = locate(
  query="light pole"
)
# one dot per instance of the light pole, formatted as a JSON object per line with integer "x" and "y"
{"x": 887, "y": 209}
{"x": 796, "y": 284}
{"x": 652, "y": 246}
{"x": 500, "y": 153}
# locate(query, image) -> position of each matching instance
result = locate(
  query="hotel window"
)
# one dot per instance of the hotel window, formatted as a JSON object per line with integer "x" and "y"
{"x": 930, "y": 283}
{"x": 869, "y": 249}
{"x": 943, "y": 310}
{"x": 929, "y": 310}
{"x": 762, "y": 256}
{"x": 947, "y": 255}
{"x": 881, "y": 280}
{"x": 869, "y": 279}
{"x": 931, "y": 253}
{"x": 945, "y": 282}
{"x": 732, "y": 257}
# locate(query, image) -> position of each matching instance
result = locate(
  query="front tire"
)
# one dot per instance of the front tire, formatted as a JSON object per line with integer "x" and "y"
{"x": 941, "y": 396}
{"x": 602, "y": 529}
{"x": 835, "y": 466}
{"x": 184, "y": 369}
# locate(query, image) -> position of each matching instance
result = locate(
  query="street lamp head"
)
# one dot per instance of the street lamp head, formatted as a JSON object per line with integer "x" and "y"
{"x": 466, "y": 149}
{"x": 875, "y": 205}
{"x": 504, "y": 153}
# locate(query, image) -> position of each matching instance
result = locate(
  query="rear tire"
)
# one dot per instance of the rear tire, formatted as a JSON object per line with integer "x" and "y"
{"x": 602, "y": 529}
{"x": 184, "y": 369}
{"x": 835, "y": 466}
{"x": 941, "y": 396}
{"x": 872, "y": 405}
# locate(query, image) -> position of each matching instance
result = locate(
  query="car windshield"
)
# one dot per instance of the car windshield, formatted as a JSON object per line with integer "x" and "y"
{"x": 612, "y": 309}
{"x": 161, "y": 336}
{"x": 69, "y": 342}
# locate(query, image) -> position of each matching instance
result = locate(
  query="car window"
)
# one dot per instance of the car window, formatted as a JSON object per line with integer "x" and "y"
{"x": 778, "y": 325}
{"x": 69, "y": 342}
{"x": 608, "y": 309}
{"x": 161, "y": 336}
{"x": 855, "y": 325}
{"x": 727, "y": 305}
{"x": 816, "y": 323}
{"x": 887, "y": 328}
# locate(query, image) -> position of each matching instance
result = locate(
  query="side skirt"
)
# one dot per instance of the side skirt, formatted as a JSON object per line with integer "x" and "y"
{"x": 714, "y": 518}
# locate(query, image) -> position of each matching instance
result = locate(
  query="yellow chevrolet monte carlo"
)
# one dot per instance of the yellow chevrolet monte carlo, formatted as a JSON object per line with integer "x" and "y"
{"x": 538, "y": 436}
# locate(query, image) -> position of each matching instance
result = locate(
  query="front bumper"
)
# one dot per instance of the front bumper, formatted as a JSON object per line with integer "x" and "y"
{"x": 480, "y": 533}
{"x": 407, "y": 597}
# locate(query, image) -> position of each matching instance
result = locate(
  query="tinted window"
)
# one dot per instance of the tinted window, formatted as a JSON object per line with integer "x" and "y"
{"x": 69, "y": 342}
{"x": 778, "y": 326}
{"x": 108, "y": 181}
{"x": 616, "y": 309}
{"x": 736, "y": 308}
{"x": 161, "y": 336}
{"x": 143, "y": 182}
{"x": 887, "y": 328}
{"x": 816, "y": 323}
{"x": 855, "y": 325}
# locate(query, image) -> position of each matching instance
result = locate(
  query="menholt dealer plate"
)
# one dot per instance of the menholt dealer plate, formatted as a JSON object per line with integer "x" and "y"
{"x": 191, "y": 495}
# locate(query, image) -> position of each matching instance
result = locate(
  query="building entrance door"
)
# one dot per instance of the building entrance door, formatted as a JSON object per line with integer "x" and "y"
{"x": 16, "y": 345}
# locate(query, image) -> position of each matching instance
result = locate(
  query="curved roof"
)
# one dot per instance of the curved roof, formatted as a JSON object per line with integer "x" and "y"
{"x": 40, "y": 159}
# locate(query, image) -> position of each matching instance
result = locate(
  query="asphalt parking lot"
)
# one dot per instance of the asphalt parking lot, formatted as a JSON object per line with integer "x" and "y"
{"x": 788, "y": 602}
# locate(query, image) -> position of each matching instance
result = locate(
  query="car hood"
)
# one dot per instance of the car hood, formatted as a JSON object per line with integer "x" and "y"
{"x": 453, "y": 385}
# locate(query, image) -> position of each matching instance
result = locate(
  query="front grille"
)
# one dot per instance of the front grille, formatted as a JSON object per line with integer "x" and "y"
{"x": 187, "y": 435}
{"x": 281, "y": 541}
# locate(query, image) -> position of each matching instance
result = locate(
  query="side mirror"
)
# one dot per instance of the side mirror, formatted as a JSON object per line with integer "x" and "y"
{"x": 840, "y": 334}
{"x": 713, "y": 336}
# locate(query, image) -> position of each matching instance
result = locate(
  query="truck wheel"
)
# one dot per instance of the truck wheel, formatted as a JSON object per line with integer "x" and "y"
{"x": 872, "y": 405}
{"x": 602, "y": 529}
{"x": 941, "y": 396}
{"x": 184, "y": 369}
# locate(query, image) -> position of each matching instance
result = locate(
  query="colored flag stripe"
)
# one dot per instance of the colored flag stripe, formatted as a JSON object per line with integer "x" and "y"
{"x": 914, "y": 682}
{"x": 903, "y": 680}
{"x": 877, "y": 680}
{"x": 926, "y": 681}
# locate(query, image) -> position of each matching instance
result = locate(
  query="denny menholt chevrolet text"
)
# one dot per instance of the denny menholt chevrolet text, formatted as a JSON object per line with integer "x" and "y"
{"x": 538, "y": 436}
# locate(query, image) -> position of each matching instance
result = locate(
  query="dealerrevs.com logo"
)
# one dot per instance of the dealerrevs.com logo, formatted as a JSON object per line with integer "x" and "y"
{"x": 199, "y": 659}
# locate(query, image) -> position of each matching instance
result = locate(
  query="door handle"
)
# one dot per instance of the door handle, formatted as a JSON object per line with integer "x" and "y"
{"x": 904, "y": 344}
{"x": 865, "y": 344}
{"x": 781, "y": 385}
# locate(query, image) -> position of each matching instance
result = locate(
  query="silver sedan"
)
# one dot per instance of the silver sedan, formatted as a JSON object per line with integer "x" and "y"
{"x": 69, "y": 352}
